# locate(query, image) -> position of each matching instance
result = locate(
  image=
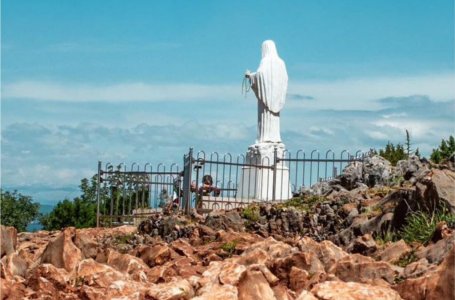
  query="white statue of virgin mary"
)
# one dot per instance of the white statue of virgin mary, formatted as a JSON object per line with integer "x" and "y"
{"x": 269, "y": 83}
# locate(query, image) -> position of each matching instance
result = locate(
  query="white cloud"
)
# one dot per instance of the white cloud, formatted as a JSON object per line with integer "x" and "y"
{"x": 349, "y": 93}
{"x": 362, "y": 93}
{"x": 117, "y": 92}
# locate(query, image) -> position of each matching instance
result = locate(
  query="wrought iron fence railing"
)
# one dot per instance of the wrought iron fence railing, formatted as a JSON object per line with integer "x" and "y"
{"x": 129, "y": 193}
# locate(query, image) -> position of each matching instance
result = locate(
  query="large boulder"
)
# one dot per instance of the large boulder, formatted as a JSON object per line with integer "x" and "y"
{"x": 8, "y": 240}
{"x": 412, "y": 168}
{"x": 372, "y": 171}
{"x": 437, "y": 188}
{"x": 62, "y": 252}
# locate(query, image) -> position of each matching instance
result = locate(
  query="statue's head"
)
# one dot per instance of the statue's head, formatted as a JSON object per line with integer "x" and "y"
{"x": 269, "y": 48}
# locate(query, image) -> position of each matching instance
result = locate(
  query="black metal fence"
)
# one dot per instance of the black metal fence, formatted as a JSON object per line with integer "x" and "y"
{"x": 127, "y": 193}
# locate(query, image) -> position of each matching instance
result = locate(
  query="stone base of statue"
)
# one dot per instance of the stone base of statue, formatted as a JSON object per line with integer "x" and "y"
{"x": 258, "y": 183}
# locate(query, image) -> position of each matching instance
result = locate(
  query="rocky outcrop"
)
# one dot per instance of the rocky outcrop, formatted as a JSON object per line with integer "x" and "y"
{"x": 62, "y": 252}
{"x": 329, "y": 243}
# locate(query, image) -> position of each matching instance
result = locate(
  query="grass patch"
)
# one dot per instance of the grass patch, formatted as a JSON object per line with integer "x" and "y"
{"x": 229, "y": 247}
{"x": 386, "y": 237}
{"x": 123, "y": 239}
{"x": 251, "y": 213}
{"x": 407, "y": 259}
{"x": 420, "y": 225}
{"x": 304, "y": 202}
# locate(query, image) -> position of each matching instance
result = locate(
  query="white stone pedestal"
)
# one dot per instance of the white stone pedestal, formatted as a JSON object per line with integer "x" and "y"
{"x": 256, "y": 183}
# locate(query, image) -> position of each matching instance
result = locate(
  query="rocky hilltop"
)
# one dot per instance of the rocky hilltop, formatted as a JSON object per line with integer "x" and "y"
{"x": 337, "y": 240}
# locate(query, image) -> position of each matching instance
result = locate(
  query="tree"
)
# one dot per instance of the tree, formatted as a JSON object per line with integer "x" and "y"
{"x": 17, "y": 210}
{"x": 408, "y": 143}
{"x": 80, "y": 212}
{"x": 446, "y": 150}
{"x": 393, "y": 153}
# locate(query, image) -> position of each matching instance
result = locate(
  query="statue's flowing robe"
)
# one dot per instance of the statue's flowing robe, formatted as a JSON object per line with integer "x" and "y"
{"x": 269, "y": 83}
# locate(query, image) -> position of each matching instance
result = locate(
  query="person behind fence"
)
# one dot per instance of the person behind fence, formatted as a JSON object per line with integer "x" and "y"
{"x": 163, "y": 198}
{"x": 206, "y": 189}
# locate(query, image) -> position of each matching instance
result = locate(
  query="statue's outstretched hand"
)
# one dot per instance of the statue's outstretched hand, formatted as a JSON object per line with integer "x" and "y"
{"x": 247, "y": 73}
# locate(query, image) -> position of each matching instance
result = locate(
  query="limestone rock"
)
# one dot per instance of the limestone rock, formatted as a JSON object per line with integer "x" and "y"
{"x": 305, "y": 295}
{"x": 86, "y": 244}
{"x": 155, "y": 255}
{"x": 14, "y": 265}
{"x": 219, "y": 292}
{"x": 393, "y": 252}
{"x": 95, "y": 274}
{"x": 364, "y": 269}
{"x": 437, "y": 188}
{"x": 364, "y": 244}
{"x": 129, "y": 264}
{"x": 255, "y": 286}
{"x": 61, "y": 252}
{"x": 8, "y": 240}
{"x": 327, "y": 252}
{"x": 178, "y": 289}
{"x": 232, "y": 273}
{"x": 335, "y": 290}
{"x": 58, "y": 276}
{"x": 433, "y": 285}
{"x": 436, "y": 252}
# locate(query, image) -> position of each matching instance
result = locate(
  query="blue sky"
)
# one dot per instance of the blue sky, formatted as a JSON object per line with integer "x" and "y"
{"x": 143, "y": 81}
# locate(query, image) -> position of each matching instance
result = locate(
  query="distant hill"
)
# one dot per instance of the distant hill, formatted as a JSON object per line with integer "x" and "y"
{"x": 46, "y": 208}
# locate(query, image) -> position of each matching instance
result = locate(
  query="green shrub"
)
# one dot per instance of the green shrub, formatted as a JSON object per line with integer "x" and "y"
{"x": 421, "y": 225}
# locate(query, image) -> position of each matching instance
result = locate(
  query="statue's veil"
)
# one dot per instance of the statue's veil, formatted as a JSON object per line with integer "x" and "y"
{"x": 272, "y": 78}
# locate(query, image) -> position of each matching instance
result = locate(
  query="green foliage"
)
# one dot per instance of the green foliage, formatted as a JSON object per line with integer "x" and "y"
{"x": 406, "y": 259}
{"x": 445, "y": 150}
{"x": 251, "y": 213}
{"x": 421, "y": 225}
{"x": 17, "y": 210}
{"x": 385, "y": 237}
{"x": 229, "y": 247}
{"x": 393, "y": 153}
{"x": 80, "y": 212}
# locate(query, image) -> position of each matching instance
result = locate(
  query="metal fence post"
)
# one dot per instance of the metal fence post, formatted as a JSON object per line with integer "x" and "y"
{"x": 98, "y": 183}
{"x": 275, "y": 162}
{"x": 188, "y": 161}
